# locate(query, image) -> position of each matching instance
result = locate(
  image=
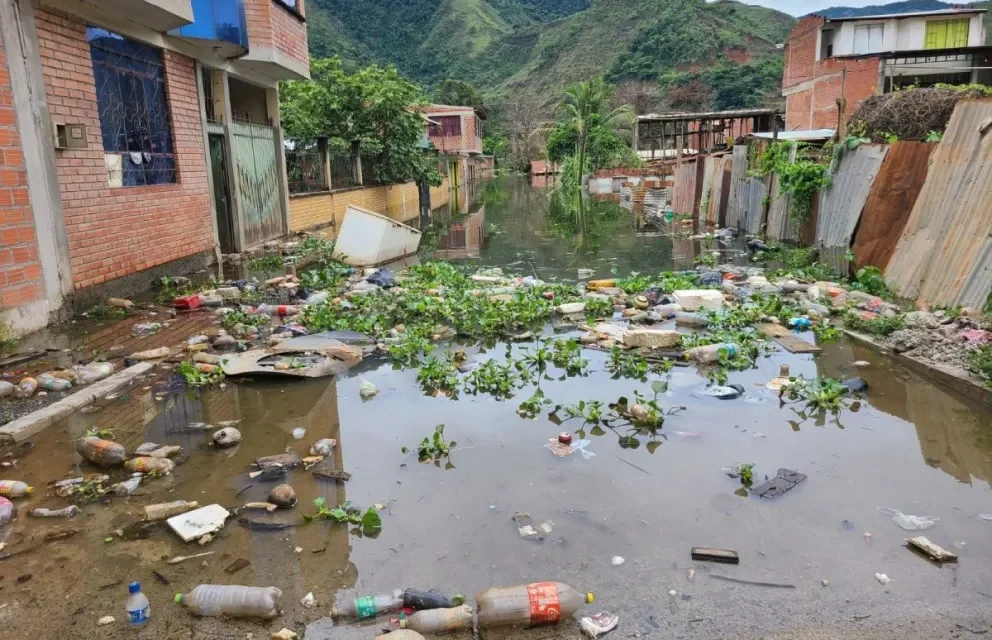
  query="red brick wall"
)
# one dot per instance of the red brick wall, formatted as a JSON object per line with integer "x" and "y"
{"x": 271, "y": 25}
{"x": 856, "y": 79}
{"x": 118, "y": 232}
{"x": 20, "y": 270}
{"x": 473, "y": 135}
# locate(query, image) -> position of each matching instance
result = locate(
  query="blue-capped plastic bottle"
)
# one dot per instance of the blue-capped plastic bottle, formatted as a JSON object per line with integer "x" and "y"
{"x": 138, "y": 608}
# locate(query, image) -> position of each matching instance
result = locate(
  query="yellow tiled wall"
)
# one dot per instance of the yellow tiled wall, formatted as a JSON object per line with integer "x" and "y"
{"x": 400, "y": 202}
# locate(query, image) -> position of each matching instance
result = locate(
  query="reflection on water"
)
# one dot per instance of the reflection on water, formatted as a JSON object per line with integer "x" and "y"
{"x": 914, "y": 446}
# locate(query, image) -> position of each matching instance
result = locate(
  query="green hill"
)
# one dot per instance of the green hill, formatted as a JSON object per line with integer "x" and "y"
{"x": 537, "y": 47}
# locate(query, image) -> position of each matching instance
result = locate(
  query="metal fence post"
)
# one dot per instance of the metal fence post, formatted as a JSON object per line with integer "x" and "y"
{"x": 356, "y": 157}
{"x": 325, "y": 161}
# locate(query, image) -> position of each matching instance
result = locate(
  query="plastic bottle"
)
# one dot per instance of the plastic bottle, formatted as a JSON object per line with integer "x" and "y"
{"x": 711, "y": 352}
{"x": 93, "y": 371}
{"x": 15, "y": 489}
{"x": 276, "y": 310}
{"x": 50, "y": 382}
{"x": 145, "y": 328}
{"x": 26, "y": 388}
{"x": 166, "y": 510}
{"x": 317, "y": 297}
{"x": 668, "y": 310}
{"x": 150, "y": 465}
{"x": 152, "y": 354}
{"x": 529, "y": 604}
{"x": 105, "y": 453}
{"x": 369, "y": 606}
{"x": 686, "y": 319}
{"x": 137, "y": 606}
{"x": 65, "y": 512}
{"x": 233, "y": 601}
{"x": 7, "y": 511}
{"x": 439, "y": 620}
{"x": 6, "y": 389}
{"x": 119, "y": 303}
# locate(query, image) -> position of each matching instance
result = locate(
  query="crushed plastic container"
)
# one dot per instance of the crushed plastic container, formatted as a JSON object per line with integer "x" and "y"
{"x": 233, "y": 601}
{"x": 151, "y": 354}
{"x": 7, "y": 511}
{"x": 6, "y": 389}
{"x": 687, "y": 319}
{"x": 529, "y": 604}
{"x": 93, "y": 371}
{"x": 150, "y": 465}
{"x": 15, "y": 489}
{"x": 105, "y": 453}
{"x": 26, "y": 388}
{"x": 51, "y": 383}
{"x": 711, "y": 352}
{"x": 439, "y": 620}
{"x": 166, "y": 510}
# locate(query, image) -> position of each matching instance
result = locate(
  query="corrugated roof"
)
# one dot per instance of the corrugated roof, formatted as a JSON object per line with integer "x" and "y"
{"x": 805, "y": 135}
{"x": 710, "y": 115}
{"x": 842, "y": 202}
{"x": 943, "y": 255}
{"x": 901, "y": 16}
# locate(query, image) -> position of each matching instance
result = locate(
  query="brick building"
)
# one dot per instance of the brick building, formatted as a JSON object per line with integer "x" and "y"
{"x": 138, "y": 138}
{"x": 456, "y": 133}
{"x": 854, "y": 58}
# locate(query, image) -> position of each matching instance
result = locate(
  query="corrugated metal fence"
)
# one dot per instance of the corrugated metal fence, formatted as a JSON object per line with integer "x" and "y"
{"x": 684, "y": 193}
{"x": 890, "y": 202}
{"x": 841, "y": 204}
{"x": 943, "y": 255}
{"x": 738, "y": 175}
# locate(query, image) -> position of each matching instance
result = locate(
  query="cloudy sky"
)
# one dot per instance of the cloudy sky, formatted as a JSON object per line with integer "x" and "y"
{"x": 802, "y": 7}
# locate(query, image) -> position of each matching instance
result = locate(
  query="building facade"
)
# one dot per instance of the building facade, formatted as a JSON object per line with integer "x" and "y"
{"x": 855, "y": 58}
{"x": 456, "y": 133}
{"x": 138, "y": 138}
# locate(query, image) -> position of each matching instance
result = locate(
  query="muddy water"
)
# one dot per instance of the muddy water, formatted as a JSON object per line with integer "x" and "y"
{"x": 913, "y": 446}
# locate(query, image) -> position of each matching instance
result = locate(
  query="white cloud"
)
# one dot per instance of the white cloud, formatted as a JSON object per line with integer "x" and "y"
{"x": 803, "y": 7}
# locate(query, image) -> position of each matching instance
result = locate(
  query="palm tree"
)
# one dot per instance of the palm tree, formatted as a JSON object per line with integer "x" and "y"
{"x": 584, "y": 100}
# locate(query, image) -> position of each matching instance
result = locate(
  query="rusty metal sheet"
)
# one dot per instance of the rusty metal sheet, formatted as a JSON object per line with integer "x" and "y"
{"x": 942, "y": 256}
{"x": 719, "y": 182}
{"x": 737, "y": 177}
{"x": 841, "y": 203}
{"x": 890, "y": 202}
{"x": 709, "y": 162}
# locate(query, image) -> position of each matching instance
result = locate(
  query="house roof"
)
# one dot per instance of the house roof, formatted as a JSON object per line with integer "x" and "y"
{"x": 447, "y": 108}
{"x": 810, "y": 135}
{"x": 710, "y": 115}
{"x": 917, "y": 14}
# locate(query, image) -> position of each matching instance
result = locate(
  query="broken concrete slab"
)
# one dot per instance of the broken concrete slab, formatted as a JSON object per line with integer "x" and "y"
{"x": 785, "y": 480}
{"x": 696, "y": 299}
{"x": 651, "y": 339}
{"x": 931, "y": 550}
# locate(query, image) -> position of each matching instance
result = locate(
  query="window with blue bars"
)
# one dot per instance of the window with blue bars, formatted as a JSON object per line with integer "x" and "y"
{"x": 134, "y": 112}
{"x": 292, "y": 4}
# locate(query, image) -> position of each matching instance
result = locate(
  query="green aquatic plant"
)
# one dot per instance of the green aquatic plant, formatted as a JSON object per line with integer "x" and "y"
{"x": 879, "y": 326}
{"x": 496, "y": 379}
{"x": 567, "y": 355}
{"x": 434, "y": 447}
{"x": 437, "y": 375}
{"x": 196, "y": 378}
{"x": 346, "y": 513}
{"x": 623, "y": 364}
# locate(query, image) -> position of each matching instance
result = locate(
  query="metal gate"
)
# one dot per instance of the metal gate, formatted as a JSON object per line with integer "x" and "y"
{"x": 258, "y": 181}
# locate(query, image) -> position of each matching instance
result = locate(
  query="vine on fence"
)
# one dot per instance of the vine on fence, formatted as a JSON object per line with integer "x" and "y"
{"x": 801, "y": 179}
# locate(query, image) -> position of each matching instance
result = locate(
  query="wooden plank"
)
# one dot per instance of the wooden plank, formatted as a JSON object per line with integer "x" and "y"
{"x": 786, "y": 339}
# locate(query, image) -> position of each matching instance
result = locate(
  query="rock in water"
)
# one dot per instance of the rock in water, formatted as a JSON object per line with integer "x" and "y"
{"x": 283, "y": 495}
{"x": 227, "y": 437}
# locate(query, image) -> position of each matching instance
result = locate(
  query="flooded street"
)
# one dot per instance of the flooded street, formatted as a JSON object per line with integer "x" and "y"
{"x": 913, "y": 446}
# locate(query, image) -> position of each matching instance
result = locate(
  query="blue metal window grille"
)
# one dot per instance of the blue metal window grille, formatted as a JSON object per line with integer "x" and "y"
{"x": 134, "y": 115}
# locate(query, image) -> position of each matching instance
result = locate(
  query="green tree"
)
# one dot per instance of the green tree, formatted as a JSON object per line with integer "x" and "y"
{"x": 605, "y": 149}
{"x": 496, "y": 145}
{"x": 457, "y": 93}
{"x": 584, "y": 106}
{"x": 375, "y": 108}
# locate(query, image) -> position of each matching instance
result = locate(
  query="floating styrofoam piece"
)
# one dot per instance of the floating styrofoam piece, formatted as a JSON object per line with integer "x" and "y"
{"x": 199, "y": 522}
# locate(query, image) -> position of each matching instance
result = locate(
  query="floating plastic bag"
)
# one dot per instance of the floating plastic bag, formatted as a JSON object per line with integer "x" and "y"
{"x": 367, "y": 390}
{"x": 908, "y": 522}
{"x": 581, "y": 447}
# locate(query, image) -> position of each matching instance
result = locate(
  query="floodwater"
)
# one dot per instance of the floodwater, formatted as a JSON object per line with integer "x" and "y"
{"x": 913, "y": 446}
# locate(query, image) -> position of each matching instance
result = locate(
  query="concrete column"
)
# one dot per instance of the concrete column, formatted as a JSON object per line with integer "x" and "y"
{"x": 272, "y": 104}
{"x": 201, "y": 99}
{"x": 222, "y": 98}
{"x": 20, "y": 36}
{"x": 356, "y": 156}
{"x": 325, "y": 157}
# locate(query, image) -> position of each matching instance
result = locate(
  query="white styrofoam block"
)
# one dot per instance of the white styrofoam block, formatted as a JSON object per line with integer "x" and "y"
{"x": 199, "y": 522}
{"x": 696, "y": 299}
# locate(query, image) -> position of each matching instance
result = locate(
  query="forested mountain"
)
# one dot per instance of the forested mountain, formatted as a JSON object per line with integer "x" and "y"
{"x": 713, "y": 54}
{"x": 908, "y": 6}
